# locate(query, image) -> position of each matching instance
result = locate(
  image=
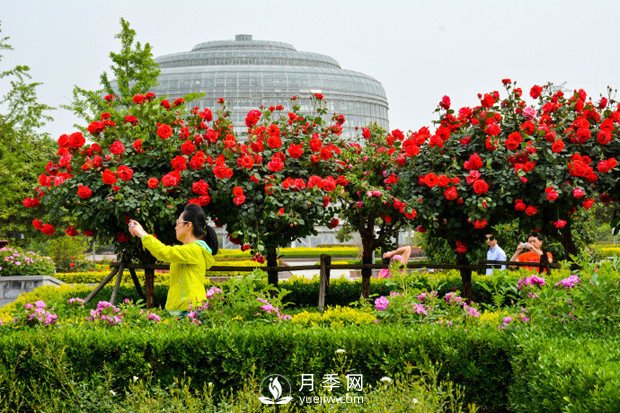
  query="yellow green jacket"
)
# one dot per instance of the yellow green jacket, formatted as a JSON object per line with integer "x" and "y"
{"x": 188, "y": 266}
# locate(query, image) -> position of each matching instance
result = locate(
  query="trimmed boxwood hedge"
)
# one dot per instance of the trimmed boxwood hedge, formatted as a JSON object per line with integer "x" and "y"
{"x": 227, "y": 355}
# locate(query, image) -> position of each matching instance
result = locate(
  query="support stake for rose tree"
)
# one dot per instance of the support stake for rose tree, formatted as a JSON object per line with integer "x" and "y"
{"x": 326, "y": 261}
{"x": 102, "y": 284}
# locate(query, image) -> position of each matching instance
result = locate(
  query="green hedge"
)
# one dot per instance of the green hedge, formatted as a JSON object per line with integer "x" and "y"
{"x": 228, "y": 355}
{"x": 572, "y": 374}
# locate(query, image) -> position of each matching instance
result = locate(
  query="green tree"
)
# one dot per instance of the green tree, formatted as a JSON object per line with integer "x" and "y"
{"x": 134, "y": 70}
{"x": 22, "y": 146}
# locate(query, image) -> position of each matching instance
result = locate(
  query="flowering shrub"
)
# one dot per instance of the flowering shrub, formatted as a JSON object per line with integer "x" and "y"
{"x": 424, "y": 307}
{"x": 35, "y": 314}
{"x": 15, "y": 261}
{"x": 275, "y": 185}
{"x": 503, "y": 160}
{"x": 124, "y": 170}
{"x": 569, "y": 282}
{"x": 371, "y": 204}
{"x": 107, "y": 313}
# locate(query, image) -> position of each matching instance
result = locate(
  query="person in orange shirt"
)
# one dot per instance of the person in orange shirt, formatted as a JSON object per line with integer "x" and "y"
{"x": 535, "y": 252}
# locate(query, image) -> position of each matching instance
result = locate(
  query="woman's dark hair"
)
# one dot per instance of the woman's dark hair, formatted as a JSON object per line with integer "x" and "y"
{"x": 194, "y": 213}
{"x": 544, "y": 258}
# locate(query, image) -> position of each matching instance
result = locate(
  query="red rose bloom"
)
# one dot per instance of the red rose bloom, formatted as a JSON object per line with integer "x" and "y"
{"x": 535, "y": 91}
{"x": 138, "y": 99}
{"x": 178, "y": 101}
{"x": 252, "y": 118}
{"x": 480, "y": 223}
{"x": 164, "y": 131}
{"x": 461, "y": 248}
{"x": 171, "y": 179}
{"x": 239, "y": 200}
{"x": 519, "y": 205}
{"x": 137, "y": 146}
{"x": 117, "y": 147}
{"x": 450, "y": 193}
{"x": 237, "y": 191}
{"x": 246, "y": 161}
{"x": 551, "y": 194}
{"x": 48, "y": 229}
{"x": 559, "y": 224}
{"x": 37, "y": 224}
{"x": 179, "y": 163}
{"x": 84, "y": 192}
{"x": 473, "y": 163}
{"x": 557, "y": 146}
{"x": 188, "y": 148}
{"x": 31, "y": 202}
{"x": 578, "y": 193}
{"x": 152, "y": 183}
{"x": 588, "y": 203}
{"x": 493, "y": 129}
{"x": 131, "y": 119}
{"x": 531, "y": 210}
{"x": 200, "y": 187}
{"x": 71, "y": 231}
{"x": 480, "y": 187}
{"x": 445, "y": 102}
{"x": 88, "y": 232}
{"x": 108, "y": 177}
{"x": 198, "y": 160}
{"x": 76, "y": 140}
{"x": 221, "y": 171}
{"x": 165, "y": 104}
{"x": 296, "y": 151}
{"x": 276, "y": 164}
{"x": 124, "y": 172}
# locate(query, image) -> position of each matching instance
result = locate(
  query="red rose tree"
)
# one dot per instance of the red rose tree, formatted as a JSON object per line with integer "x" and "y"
{"x": 125, "y": 170}
{"x": 503, "y": 160}
{"x": 274, "y": 184}
{"x": 369, "y": 205}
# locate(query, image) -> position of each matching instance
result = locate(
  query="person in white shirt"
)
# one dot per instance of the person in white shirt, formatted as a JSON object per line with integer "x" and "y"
{"x": 495, "y": 253}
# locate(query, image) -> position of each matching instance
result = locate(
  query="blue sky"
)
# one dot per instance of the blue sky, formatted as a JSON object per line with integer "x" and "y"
{"x": 418, "y": 50}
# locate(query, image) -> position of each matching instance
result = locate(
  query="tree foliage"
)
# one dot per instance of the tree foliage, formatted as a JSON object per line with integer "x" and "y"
{"x": 22, "y": 146}
{"x": 134, "y": 72}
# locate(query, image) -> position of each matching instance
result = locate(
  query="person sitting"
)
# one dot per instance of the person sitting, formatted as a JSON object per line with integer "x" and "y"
{"x": 535, "y": 253}
{"x": 401, "y": 254}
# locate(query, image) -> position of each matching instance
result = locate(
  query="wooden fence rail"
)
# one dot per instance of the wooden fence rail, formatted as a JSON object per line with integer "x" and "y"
{"x": 324, "y": 267}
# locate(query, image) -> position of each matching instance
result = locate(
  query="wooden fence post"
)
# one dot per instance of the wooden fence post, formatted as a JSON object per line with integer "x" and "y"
{"x": 326, "y": 261}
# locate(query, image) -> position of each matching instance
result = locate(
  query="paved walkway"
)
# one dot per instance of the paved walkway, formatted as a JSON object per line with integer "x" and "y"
{"x": 311, "y": 273}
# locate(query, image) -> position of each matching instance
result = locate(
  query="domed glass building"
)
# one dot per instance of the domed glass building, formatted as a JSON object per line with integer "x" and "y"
{"x": 248, "y": 73}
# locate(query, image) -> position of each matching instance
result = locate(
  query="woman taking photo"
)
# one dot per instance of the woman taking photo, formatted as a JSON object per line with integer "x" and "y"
{"x": 188, "y": 262}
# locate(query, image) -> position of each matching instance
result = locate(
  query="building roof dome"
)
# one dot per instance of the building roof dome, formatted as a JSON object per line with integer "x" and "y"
{"x": 248, "y": 73}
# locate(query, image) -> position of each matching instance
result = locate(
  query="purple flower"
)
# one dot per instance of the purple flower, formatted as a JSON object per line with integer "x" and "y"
{"x": 569, "y": 282}
{"x": 28, "y": 306}
{"x": 40, "y": 304}
{"x": 471, "y": 311}
{"x": 154, "y": 317}
{"x": 419, "y": 309}
{"x": 507, "y": 320}
{"x": 212, "y": 291}
{"x": 76, "y": 300}
{"x": 268, "y": 307}
{"x": 533, "y": 280}
{"x": 381, "y": 303}
{"x": 453, "y": 298}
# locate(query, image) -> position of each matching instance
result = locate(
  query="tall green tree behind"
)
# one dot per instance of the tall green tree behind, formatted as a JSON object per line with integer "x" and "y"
{"x": 23, "y": 148}
{"x": 134, "y": 71}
